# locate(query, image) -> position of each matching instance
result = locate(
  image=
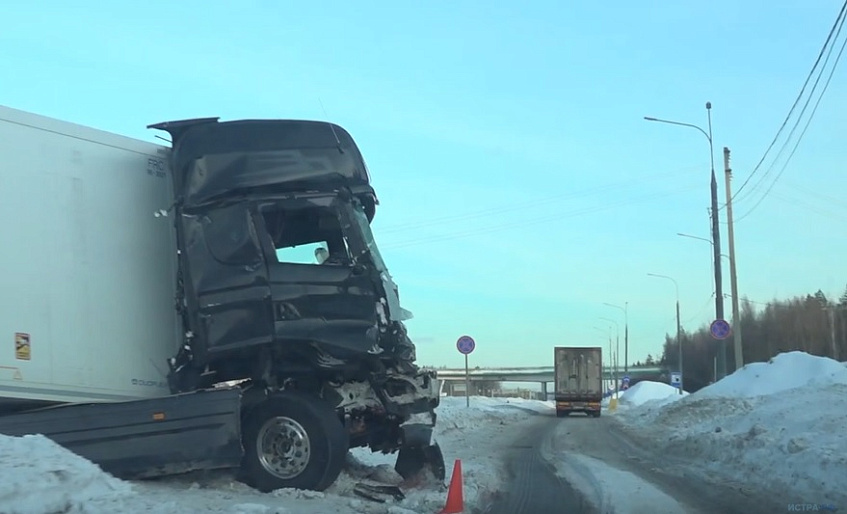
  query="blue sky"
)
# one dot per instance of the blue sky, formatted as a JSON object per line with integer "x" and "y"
{"x": 520, "y": 186}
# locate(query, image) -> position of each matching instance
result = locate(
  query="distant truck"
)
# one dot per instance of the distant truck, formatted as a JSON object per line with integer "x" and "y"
{"x": 163, "y": 310}
{"x": 579, "y": 380}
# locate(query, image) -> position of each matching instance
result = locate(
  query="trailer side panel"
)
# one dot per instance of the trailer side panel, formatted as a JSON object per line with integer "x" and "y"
{"x": 146, "y": 438}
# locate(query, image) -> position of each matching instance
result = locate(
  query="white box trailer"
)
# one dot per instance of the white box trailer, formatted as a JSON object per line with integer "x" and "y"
{"x": 579, "y": 379}
{"x": 88, "y": 274}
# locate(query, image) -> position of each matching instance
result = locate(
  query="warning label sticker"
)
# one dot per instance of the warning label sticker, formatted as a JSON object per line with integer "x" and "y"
{"x": 22, "y": 346}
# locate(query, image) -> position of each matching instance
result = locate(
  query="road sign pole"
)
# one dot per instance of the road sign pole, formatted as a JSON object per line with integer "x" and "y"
{"x": 467, "y": 383}
{"x": 466, "y": 345}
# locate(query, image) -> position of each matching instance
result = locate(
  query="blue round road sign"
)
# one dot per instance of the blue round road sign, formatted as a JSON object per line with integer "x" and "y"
{"x": 720, "y": 329}
{"x": 465, "y": 344}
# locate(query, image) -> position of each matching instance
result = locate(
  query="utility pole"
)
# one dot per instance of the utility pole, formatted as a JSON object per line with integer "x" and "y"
{"x": 716, "y": 240}
{"x": 679, "y": 344}
{"x": 733, "y": 276}
{"x": 626, "y": 338}
{"x": 832, "y": 311}
{"x": 716, "y": 236}
{"x": 678, "y": 326}
{"x": 625, "y": 310}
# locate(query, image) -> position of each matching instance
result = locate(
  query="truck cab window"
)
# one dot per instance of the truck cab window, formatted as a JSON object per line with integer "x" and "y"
{"x": 305, "y": 236}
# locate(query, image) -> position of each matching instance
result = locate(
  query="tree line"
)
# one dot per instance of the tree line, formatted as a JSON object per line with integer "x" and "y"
{"x": 813, "y": 324}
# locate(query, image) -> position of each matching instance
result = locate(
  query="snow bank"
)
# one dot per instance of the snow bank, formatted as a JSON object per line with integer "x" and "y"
{"x": 647, "y": 391}
{"x": 776, "y": 426}
{"x": 39, "y": 476}
{"x": 784, "y": 372}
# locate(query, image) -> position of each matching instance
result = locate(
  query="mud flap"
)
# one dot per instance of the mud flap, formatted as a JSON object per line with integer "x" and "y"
{"x": 377, "y": 492}
{"x": 414, "y": 461}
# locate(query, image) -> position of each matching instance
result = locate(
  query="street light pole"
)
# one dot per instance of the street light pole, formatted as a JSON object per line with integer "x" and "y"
{"x": 617, "y": 346}
{"x": 678, "y": 328}
{"x": 611, "y": 358}
{"x": 625, "y": 310}
{"x": 716, "y": 239}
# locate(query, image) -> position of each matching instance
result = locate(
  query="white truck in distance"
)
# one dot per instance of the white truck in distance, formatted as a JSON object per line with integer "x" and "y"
{"x": 579, "y": 379}
{"x": 142, "y": 281}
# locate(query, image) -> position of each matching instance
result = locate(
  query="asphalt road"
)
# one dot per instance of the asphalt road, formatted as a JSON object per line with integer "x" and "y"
{"x": 534, "y": 486}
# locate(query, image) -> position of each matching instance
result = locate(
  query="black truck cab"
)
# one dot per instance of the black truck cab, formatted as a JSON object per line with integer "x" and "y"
{"x": 254, "y": 202}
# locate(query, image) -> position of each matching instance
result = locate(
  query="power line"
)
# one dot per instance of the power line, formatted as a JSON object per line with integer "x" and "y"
{"x": 531, "y": 221}
{"x": 805, "y": 127}
{"x": 800, "y": 116}
{"x": 836, "y": 26}
{"x": 529, "y": 204}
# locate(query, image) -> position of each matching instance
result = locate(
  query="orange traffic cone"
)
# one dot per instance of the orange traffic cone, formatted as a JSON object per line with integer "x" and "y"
{"x": 455, "y": 497}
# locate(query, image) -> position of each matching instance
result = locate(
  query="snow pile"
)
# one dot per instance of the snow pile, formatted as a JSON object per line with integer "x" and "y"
{"x": 453, "y": 413}
{"x": 778, "y": 426}
{"x": 784, "y": 372}
{"x": 39, "y": 476}
{"x": 647, "y": 391}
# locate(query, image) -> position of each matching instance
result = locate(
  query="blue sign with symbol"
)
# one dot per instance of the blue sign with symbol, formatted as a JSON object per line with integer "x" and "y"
{"x": 465, "y": 344}
{"x": 720, "y": 329}
{"x": 676, "y": 379}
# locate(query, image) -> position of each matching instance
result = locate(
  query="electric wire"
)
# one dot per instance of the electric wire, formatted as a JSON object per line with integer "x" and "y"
{"x": 836, "y": 26}
{"x": 803, "y": 132}
{"x": 532, "y": 221}
{"x": 529, "y": 204}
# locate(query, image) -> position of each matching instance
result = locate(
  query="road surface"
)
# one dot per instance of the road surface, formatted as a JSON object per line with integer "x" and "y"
{"x": 535, "y": 487}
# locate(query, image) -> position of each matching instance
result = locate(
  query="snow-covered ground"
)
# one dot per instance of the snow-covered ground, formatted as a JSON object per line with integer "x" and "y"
{"x": 39, "y": 477}
{"x": 778, "y": 427}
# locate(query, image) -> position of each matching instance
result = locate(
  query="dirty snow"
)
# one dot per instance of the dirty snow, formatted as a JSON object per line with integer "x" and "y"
{"x": 776, "y": 427}
{"x": 612, "y": 490}
{"x": 40, "y": 477}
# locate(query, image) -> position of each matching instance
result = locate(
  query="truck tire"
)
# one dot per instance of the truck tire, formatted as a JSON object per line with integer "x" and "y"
{"x": 295, "y": 441}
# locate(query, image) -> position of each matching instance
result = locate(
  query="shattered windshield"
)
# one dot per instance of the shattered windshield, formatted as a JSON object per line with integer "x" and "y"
{"x": 395, "y": 311}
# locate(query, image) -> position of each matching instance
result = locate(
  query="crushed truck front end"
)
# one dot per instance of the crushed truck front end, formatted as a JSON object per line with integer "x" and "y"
{"x": 281, "y": 285}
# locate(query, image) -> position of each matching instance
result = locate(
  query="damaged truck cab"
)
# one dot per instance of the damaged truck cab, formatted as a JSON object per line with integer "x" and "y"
{"x": 282, "y": 289}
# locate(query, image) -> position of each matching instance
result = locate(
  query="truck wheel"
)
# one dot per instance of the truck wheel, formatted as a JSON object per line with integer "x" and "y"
{"x": 293, "y": 440}
{"x": 413, "y": 460}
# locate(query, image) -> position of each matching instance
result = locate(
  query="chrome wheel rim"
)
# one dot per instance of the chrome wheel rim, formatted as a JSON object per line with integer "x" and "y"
{"x": 283, "y": 447}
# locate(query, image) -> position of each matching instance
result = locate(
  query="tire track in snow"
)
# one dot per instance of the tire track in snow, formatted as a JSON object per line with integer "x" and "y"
{"x": 535, "y": 487}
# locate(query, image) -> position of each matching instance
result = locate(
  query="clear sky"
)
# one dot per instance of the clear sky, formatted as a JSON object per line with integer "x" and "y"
{"x": 520, "y": 186}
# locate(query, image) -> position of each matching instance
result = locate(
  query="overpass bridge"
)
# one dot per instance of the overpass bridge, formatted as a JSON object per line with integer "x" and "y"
{"x": 454, "y": 378}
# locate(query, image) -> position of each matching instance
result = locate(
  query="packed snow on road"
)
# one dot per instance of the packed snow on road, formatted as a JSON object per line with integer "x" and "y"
{"x": 775, "y": 428}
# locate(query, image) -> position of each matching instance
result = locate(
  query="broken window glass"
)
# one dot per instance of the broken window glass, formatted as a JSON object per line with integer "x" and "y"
{"x": 305, "y": 236}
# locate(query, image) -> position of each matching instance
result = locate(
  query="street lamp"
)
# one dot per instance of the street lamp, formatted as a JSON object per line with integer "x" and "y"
{"x": 736, "y": 315}
{"x": 711, "y": 262}
{"x": 678, "y": 326}
{"x": 715, "y": 228}
{"x": 625, "y": 310}
{"x": 611, "y": 358}
{"x": 725, "y": 256}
